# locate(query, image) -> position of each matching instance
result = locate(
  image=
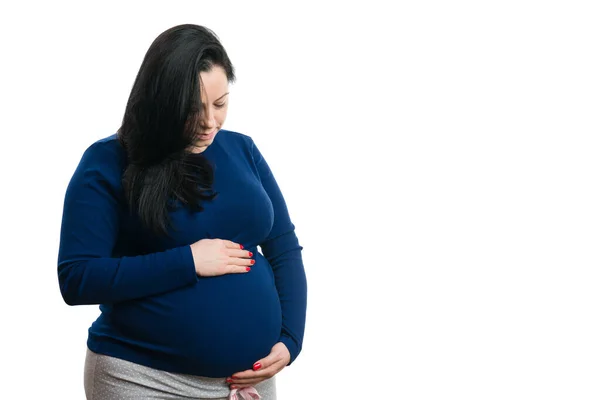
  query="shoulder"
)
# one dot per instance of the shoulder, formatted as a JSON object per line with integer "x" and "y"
{"x": 105, "y": 153}
{"x": 103, "y": 160}
{"x": 241, "y": 141}
{"x": 107, "y": 149}
{"x": 227, "y": 137}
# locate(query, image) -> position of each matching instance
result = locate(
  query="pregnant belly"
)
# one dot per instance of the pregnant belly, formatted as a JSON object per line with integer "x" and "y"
{"x": 219, "y": 326}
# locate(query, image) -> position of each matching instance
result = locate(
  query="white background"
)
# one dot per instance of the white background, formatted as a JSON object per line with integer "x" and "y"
{"x": 440, "y": 161}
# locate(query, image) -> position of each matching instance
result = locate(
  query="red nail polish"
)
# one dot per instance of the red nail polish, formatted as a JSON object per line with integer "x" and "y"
{"x": 235, "y": 377}
{"x": 252, "y": 262}
{"x": 256, "y": 366}
{"x": 248, "y": 268}
{"x": 229, "y": 380}
{"x": 241, "y": 247}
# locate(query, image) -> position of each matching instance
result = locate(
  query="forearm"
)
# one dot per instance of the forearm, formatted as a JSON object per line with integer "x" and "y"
{"x": 283, "y": 251}
{"x": 105, "y": 280}
{"x": 290, "y": 280}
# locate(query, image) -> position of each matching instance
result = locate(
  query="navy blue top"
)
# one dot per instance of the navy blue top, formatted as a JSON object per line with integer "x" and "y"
{"x": 155, "y": 310}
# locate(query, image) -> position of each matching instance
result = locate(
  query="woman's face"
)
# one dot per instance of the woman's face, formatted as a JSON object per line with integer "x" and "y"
{"x": 215, "y": 91}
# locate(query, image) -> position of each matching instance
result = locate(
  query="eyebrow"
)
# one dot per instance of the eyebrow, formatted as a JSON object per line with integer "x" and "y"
{"x": 222, "y": 96}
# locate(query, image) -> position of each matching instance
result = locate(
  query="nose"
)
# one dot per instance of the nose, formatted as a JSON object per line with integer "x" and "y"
{"x": 209, "y": 122}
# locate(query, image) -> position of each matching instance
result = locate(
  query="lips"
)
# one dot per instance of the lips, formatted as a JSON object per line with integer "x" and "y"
{"x": 207, "y": 136}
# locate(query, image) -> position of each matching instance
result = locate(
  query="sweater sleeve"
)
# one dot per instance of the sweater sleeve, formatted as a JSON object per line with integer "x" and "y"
{"x": 283, "y": 251}
{"x": 88, "y": 273}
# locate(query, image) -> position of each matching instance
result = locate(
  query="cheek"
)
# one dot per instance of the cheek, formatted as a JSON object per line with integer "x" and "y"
{"x": 220, "y": 115}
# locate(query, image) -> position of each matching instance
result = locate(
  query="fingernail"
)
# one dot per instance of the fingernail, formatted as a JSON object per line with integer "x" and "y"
{"x": 234, "y": 377}
{"x": 229, "y": 380}
{"x": 256, "y": 366}
{"x": 250, "y": 254}
{"x": 241, "y": 247}
{"x": 252, "y": 262}
{"x": 248, "y": 269}
{"x": 233, "y": 387}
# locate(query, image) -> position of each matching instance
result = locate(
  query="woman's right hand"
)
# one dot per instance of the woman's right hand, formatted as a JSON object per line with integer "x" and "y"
{"x": 213, "y": 257}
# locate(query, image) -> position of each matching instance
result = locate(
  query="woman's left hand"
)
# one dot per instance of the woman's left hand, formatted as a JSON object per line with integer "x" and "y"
{"x": 263, "y": 369}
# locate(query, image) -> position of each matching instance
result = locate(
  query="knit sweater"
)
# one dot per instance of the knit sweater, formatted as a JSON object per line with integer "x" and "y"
{"x": 154, "y": 309}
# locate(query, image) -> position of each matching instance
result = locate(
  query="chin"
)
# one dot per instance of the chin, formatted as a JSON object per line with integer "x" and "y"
{"x": 205, "y": 143}
{"x": 200, "y": 147}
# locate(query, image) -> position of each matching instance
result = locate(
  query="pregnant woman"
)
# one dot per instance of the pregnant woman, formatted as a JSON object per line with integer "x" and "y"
{"x": 178, "y": 230}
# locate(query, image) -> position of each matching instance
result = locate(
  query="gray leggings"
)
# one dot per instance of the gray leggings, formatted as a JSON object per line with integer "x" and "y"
{"x": 109, "y": 378}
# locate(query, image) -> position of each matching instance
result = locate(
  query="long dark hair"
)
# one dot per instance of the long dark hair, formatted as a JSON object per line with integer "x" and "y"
{"x": 163, "y": 114}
